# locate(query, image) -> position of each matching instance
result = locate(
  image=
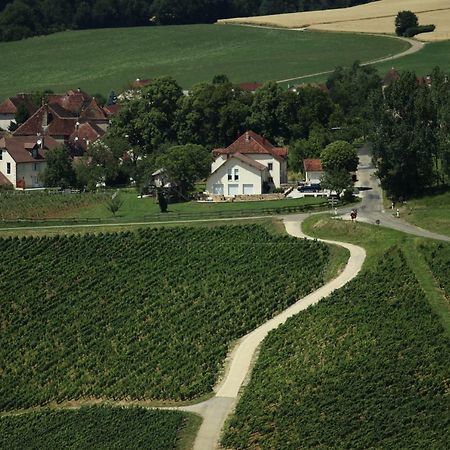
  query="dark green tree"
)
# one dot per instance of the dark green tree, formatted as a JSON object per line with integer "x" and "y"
{"x": 184, "y": 165}
{"x": 405, "y": 20}
{"x": 149, "y": 122}
{"x": 59, "y": 171}
{"x": 339, "y": 155}
{"x": 337, "y": 180}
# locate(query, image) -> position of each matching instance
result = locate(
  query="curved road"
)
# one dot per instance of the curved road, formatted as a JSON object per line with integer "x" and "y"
{"x": 371, "y": 208}
{"x": 240, "y": 361}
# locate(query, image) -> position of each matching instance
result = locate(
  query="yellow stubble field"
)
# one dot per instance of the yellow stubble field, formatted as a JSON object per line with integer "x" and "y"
{"x": 377, "y": 17}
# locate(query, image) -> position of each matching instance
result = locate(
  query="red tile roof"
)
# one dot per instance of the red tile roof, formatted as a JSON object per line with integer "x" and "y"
{"x": 252, "y": 143}
{"x": 111, "y": 110}
{"x": 251, "y": 87}
{"x": 312, "y": 165}
{"x": 10, "y": 105}
{"x": 46, "y": 120}
{"x": 85, "y": 135}
{"x": 20, "y": 147}
{"x": 390, "y": 77}
{"x": 139, "y": 83}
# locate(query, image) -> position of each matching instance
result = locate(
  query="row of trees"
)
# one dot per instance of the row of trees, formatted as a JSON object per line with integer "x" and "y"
{"x": 24, "y": 18}
{"x": 408, "y": 124}
{"x": 411, "y": 134}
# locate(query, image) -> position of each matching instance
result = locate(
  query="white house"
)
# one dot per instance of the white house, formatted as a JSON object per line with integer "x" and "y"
{"x": 22, "y": 160}
{"x": 313, "y": 170}
{"x": 251, "y": 165}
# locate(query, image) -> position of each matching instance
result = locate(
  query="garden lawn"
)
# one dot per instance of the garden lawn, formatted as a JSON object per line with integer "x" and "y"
{"x": 365, "y": 368}
{"x": 100, "y": 60}
{"x": 101, "y": 428}
{"x": 145, "y": 315}
{"x": 94, "y": 206}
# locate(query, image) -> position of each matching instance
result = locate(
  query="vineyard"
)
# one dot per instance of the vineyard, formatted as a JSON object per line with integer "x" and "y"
{"x": 365, "y": 368}
{"x": 16, "y": 205}
{"x": 438, "y": 258}
{"x": 139, "y": 315}
{"x": 97, "y": 428}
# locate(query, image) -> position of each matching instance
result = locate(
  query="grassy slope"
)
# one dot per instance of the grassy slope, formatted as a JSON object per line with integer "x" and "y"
{"x": 434, "y": 54}
{"x": 430, "y": 212}
{"x": 318, "y": 395}
{"x": 101, "y": 60}
{"x": 96, "y": 427}
{"x": 93, "y": 206}
{"x": 377, "y": 241}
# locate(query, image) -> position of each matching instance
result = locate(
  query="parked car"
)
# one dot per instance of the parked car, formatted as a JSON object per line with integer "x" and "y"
{"x": 309, "y": 188}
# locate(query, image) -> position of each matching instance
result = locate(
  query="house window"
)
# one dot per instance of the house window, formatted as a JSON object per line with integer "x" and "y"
{"x": 230, "y": 174}
{"x": 236, "y": 174}
{"x": 1, "y": 155}
{"x": 8, "y": 168}
{"x": 34, "y": 167}
{"x": 270, "y": 166}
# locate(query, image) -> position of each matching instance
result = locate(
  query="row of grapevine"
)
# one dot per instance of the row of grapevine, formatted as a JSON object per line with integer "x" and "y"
{"x": 438, "y": 258}
{"x": 139, "y": 315}
{"x": 15, "y": 205}
{"x": 366, "y": 368}
{"x": 99, "y": 428}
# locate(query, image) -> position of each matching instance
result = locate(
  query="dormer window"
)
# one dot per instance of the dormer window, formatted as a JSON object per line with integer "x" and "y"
{"x": 34, "y": 152}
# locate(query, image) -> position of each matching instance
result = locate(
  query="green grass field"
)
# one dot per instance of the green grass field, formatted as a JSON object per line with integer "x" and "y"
{"x": 434, "y": 54}
{"x": 101, "y": 428}
{"x": 101, "y": 60}
{"x": 430, "y": 212}
{"x": 43, "y": 206}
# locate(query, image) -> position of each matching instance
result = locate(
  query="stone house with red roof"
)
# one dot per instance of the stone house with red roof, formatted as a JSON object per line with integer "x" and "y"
{"x": 9, "y": 107}
{"x": 62, "y": 116}
{"x": 249, "y": 166}
{"x": 313, "y": 170}
{"x": 22, "y": 160}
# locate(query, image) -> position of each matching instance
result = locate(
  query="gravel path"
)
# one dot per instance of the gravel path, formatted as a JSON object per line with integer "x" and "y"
{"x": 240, "y": 361}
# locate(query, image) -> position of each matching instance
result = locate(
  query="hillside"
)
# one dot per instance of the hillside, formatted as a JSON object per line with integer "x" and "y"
{"x": 372, "y": 375}
{"x": 101, "y": 60}
{"x": 377, "y": 17}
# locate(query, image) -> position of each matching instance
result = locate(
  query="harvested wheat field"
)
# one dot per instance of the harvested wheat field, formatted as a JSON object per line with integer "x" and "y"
{"x": 377, "y": 17}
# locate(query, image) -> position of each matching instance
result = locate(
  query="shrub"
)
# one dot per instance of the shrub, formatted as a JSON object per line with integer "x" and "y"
{"x": 410, "y": 32}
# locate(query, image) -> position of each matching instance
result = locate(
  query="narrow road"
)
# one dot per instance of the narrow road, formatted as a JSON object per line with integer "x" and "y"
{"x": 216, "y": 410}
{"x": 372, "y": 210}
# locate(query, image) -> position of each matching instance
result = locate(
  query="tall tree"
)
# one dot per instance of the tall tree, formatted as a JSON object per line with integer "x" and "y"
{"x": 59, "y": 171}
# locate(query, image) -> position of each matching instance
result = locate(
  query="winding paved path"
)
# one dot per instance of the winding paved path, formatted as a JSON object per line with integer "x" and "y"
{"x": 240, "y": 361}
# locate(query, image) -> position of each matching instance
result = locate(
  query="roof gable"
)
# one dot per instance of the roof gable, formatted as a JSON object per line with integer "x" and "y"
{"x": 252, "y": 143}
{"x": 20, "y": 147}
{"x": 312, "y": 165}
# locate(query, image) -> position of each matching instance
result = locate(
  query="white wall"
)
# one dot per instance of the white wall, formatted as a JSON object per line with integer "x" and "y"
{"x": 218, "y": 162}
{"x": 247, "y": 175}
{"x": 6, "y": 158}
{"x": 31, "y": 175}
{"x": 313, "y": 176}
{"x": 5, "y": 121}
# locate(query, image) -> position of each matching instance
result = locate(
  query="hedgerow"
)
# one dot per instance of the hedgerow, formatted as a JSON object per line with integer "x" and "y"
{"x": 139, "y": 315}
{"x": 367, "y": 368}
{"x": 92, "y": 428}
